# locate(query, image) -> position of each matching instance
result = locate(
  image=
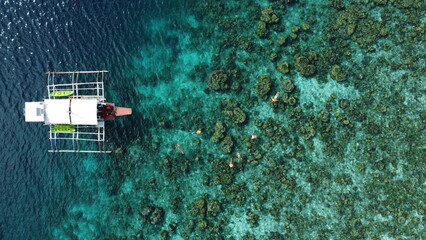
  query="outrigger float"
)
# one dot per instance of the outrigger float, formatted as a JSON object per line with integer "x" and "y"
{"x": 75, "y": 111}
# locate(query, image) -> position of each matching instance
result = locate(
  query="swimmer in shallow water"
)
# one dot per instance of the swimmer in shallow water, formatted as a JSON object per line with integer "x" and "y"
{"x": 275, "y": 98}
{"x": 178, "y": 148}
{"x": 253, "y": 136}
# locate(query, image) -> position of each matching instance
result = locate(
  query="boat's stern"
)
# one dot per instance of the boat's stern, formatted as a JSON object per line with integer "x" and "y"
{"x": 34, "y": 112}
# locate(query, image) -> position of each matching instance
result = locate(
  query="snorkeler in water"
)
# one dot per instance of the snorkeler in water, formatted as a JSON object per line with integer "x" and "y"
{"x": 231, "y": 163}
{"x": 275, "y": 98}
{"x": 197, "y": 132}
{"x": 178, "y": 148}
{"x": 253, "y": 136}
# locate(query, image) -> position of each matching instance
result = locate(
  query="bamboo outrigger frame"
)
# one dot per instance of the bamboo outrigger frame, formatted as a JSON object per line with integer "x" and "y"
{"x": 82, "y": 133}
{"x": 94, "y": 89}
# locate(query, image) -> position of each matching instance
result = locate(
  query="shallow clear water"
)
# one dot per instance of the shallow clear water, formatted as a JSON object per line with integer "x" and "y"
{"x": 339, "y": 155}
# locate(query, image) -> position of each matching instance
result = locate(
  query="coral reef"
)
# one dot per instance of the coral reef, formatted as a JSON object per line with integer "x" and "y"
{"x": 218, "y": 80}
{"x": 213, "y": 207}
{"x": 292, "y": 100}
{"x": 263, "y": 86}
{"x": 227, "y": 144}
{"x": 283, "y": 67}
{"x": 261, "y": 29}
{"x": 224, "y": 178}
{"x": 344, "y": 103}
{"x": 236, "y": 115}
{"x": 337, "y": 73}
{"x": 307, "y": 131}
{"x": 202, "y": 224}
{"x": 219, "y": 132}
{"x": 287, "y": 85}
{"x": 345, "y": 149}
{"x": 268, "y": 15}
{"x": 152, "y": 215}
{"x": 304, "y": 64}
{"x": 232, "y": 111}
{"x": 282, "y": 40}
{"x": 198, "y": 208}
{"x": 373, "y": 128}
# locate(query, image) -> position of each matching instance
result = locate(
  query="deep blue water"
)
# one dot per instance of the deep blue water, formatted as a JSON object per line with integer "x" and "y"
{"x": 35, "y": 37}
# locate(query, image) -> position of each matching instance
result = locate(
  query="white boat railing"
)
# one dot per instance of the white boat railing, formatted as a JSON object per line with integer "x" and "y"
{"x": 69, "y": 141}
{"x": 84, "y": 84}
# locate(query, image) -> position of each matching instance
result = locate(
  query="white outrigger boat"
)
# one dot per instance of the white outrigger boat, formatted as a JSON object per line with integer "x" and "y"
{"x": 75, "y": 111}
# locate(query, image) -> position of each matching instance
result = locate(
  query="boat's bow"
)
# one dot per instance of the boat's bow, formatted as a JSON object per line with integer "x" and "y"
{"x": 121, "y": 111}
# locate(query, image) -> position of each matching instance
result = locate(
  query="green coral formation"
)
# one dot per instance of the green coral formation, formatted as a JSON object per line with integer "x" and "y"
{"x": 287, "y": 85}
{"x": 283, "y": 67}
{"x": 233, "y": 112}
{"x": 213, "y": 207}
{"x": 282, "y": 40}
{"x": 305, "y": 27}
{"x": 261, "y": 29}
{"x": 292, "y": 100}
{"x": 357, "y": 25}
{"x": 223, "y": 179}
{"x": 202, "y": 224}
{"x": 268, "y": 18}
{"x": 263, "y": 86}
{"x": 236, "y": 115}
{"x": 344, "y": 103}
{"x": 218, "y": 80}
{"x": 343, "y": 179}
{"x": 152, "y": 215}
{"x": 304, "y": 64}
{"x": 219, "y": 132}
{"x": 307, "y": 131}
{"x": 198, "y": 208}
{"x": 373, "y": 128}
{"x": 227, "y": 144}
{"x": 253, "y": 219}
{"x": 268, "y": 15}
{"x": 337, "y": 73}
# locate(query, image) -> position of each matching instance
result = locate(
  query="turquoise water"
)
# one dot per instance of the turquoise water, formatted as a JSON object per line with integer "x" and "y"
{"x": 339, "y": 155}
